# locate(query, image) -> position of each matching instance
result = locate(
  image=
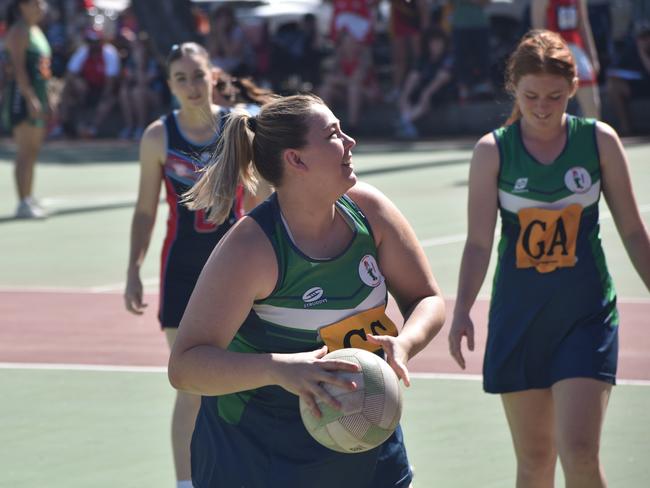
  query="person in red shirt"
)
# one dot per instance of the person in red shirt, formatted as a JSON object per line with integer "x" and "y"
{"x": 570, "y": 19}
{"x": 91, "y": 80}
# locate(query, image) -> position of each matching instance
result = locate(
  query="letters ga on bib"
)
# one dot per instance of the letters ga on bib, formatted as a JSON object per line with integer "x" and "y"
{"x": 547, "y": 239}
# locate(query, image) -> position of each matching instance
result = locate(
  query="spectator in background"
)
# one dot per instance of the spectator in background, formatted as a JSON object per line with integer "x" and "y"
{"x": 428, "y": 85}
{"x": 352, "y": 72}
{"x": 313, "y": 50}
{"x": 91, "y": 80}
{"x": 629, "y": 79}
{"x": 570, "y": 19}
{"x": 408, "y": 19}
{"x": 55, "y": 33}
{"x": 296, "y": 54}
{"x": 243, "y": 93}
{"x": 352, "y": 76}
{"x": 470, "y": 39}
{"x": 226, "y": 42}
{"x": 141, "y": 87}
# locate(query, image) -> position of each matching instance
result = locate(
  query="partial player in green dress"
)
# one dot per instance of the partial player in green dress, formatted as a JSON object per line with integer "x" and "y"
{"x": 25, "y": 101}
{"x": 553, "y": 327}
{"x": 308, "y": 270}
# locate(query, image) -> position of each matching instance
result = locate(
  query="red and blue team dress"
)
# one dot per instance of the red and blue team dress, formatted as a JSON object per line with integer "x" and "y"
{"x": 190, "y": 237}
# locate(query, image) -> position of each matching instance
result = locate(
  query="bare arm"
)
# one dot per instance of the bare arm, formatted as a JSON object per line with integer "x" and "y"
{"x": 144, "y": 217}
{"x": 241, "y": 269}
{"x": 482, "y": 210}
{"x": 617, "y": 188}
{"x": 408, "y": 276}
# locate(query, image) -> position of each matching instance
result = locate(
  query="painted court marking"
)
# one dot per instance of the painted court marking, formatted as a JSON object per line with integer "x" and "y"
{"x": 159, "y": 369}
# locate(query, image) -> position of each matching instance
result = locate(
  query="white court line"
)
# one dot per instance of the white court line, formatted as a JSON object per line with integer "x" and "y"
{"x": 110, "y": 288}
{"x": 118, "y": 288}
{"x": 161, "y": 369}
{"x": 85, "y": 367}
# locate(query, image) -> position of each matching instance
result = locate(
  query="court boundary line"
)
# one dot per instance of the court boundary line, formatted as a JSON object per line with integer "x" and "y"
{"x": 108, "y": 368}
{"x": 109, "y": 290}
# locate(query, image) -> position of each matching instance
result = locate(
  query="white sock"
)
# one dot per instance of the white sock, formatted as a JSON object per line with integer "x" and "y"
{"x": 184, "y": 484}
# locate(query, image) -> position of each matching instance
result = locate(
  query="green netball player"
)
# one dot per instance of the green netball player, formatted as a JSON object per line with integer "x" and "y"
{"x": 25, "y": 103}
{"x": 553, "y": 327}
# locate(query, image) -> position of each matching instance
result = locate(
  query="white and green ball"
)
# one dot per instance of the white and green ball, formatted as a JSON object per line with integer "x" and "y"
{"x": 369, "y": 414}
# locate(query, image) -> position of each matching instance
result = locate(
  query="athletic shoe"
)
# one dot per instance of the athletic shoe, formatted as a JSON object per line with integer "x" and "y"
{"x": 28, "y": 208}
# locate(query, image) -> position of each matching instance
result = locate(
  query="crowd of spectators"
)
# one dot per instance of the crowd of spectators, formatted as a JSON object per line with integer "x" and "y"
{"x": 413, "y": 55}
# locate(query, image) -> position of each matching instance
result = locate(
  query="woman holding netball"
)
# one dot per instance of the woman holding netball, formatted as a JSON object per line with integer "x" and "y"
{"x": 173, "y": 151}
{"x": 275, "y": 296}
{"x": 553, "y": 325}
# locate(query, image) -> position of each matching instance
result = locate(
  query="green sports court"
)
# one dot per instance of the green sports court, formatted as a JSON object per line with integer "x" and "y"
{"x": 85, "y": 400}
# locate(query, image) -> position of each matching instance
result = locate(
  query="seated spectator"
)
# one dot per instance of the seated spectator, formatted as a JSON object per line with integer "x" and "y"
{"x": 141, "y": 87}
{"x": 226, "y": 42}
{"x": 91, "y": 81}
{"x": 408, "y": 20}
{"x": 351, "y": 75}
{"x": 428, "y": 85}
{"x": 629, "y": 79}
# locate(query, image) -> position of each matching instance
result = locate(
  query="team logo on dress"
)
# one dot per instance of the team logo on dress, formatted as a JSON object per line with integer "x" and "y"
{"x": 313, "y": 296}
{"x": 520, "y": 185}
{"x": 369, "y": 271}
{"x": 577, "y": 179}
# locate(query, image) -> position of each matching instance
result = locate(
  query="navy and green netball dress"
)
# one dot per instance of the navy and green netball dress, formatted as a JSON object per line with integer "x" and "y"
{"x": 37, "y": 66}
{"x": 256, "y": 438}
{"x": 553, "y": 311}
{"x": 190, "y": 238}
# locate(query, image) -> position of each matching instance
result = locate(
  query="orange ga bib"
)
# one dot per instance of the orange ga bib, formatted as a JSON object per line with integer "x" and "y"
{"x": 547, "y": 239}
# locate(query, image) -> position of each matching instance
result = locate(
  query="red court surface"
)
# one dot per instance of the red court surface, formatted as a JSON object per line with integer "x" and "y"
{"x": 95, "y": 329}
